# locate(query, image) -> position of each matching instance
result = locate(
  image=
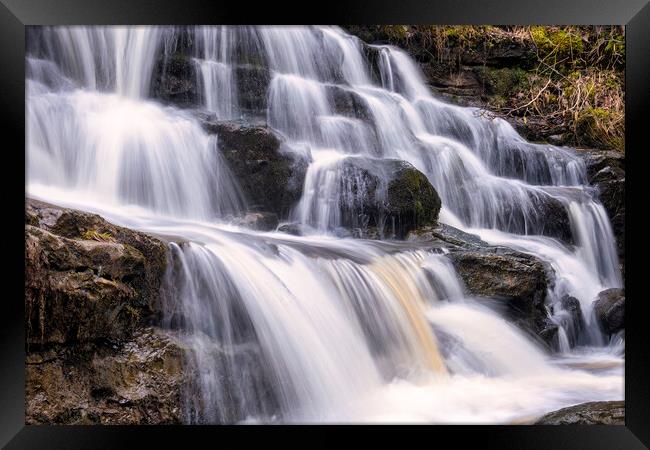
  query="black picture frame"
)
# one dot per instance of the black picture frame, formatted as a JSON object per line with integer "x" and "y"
{"x": 16, "y": 14}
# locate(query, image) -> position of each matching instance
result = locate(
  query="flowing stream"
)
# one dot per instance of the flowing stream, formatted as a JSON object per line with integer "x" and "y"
{"x": 322, "y": 328}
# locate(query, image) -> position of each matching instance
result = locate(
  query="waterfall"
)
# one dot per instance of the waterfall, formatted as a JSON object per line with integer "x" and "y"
{"x": 219, "y": 89}
{"x": 321, "y": 327}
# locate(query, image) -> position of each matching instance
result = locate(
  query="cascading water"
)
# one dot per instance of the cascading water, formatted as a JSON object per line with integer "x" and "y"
{"x": 280, "y": 328}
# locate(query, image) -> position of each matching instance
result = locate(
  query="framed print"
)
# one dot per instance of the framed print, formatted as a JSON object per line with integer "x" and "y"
{"x": 415, "y": 216}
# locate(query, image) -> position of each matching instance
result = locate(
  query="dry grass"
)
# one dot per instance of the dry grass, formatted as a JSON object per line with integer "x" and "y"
{"x": 579, "y": 82}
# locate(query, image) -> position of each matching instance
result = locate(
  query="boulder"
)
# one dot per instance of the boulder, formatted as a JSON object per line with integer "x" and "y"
{"x": 271, "y": 177}
{"x": 610, "y": 310}
{"x": 592, "y": 413}
{"x": 502, "y": 272}
{"x": 136, "y": 382}
{"x": 391, "y": 196}
{"x": 85, "y": 278}
{"x": 551, "y": 218}
{"x": 516, "y": 280}
{"x": 411, "y": 199}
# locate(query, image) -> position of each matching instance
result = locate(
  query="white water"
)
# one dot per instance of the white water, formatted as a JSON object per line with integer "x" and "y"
{"x": 319, "y": 328}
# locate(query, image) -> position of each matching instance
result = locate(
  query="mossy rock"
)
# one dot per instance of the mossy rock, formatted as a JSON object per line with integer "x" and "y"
{"x": 390, "y": 198}
{"x": 411, "y": 199}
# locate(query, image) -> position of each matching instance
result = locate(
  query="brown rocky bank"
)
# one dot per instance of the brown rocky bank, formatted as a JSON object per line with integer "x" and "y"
{"x": 91, "y": 293}
{"x": 138, "y": 381}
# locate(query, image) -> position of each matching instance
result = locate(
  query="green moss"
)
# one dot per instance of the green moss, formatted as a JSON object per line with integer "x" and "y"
{"x": 598, "y": 113}
{"x": 411, "y": 195}
{"x": 453, "y": 32}
{"x": 561, "y": 42}
{"x": 616, "y": 46}
{"x": 411, "y": 180}
{"x": 419, "y": 209}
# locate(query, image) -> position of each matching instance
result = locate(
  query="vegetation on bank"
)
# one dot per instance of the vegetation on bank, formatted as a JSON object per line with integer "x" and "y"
{"x": 568, "y": 80}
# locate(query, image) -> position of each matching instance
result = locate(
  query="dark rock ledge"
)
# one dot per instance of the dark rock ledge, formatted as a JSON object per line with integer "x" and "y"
{"x": 592, "y": 413}
{"x": 516, "y": 283}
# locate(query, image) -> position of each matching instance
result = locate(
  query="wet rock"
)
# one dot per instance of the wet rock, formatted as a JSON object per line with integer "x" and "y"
{"x": 499, "y": 271}
{"x": 592, "y": 413}
{"x": 606, "y": 172}
{"x": 292, "y": 228}
{"x": 175, "y": 80}
{"x": 87, "y": 279}
{"x": 572, "y": 306}
{"x": 516, "y": 280}
{"x": 348, "y": 103}
{"x": 597, "y": 160}
{"x": 262, "y": 221}
{"x": 448, "y": 235}
{"x": 551, "y": 218}
{"x": 411, "y": 199}
{"x": 270, "y": 177}
{"x": 610, "y": 310}
{"x": 549, "y": 334}
{"x": 389, "y": 195}
{"x": 252, "y": 85}
{"x": 137, "y": 382}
